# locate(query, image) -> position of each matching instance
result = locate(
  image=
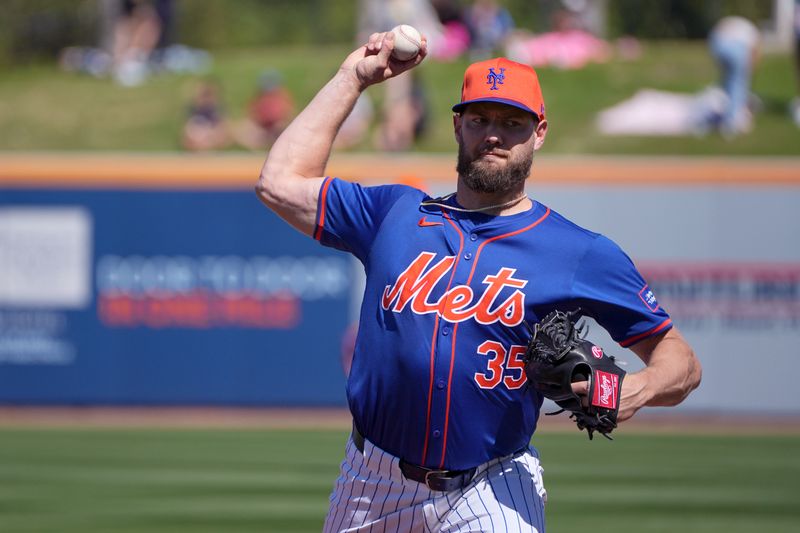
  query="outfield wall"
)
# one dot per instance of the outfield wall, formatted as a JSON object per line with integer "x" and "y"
{"x": 160, "y": 280}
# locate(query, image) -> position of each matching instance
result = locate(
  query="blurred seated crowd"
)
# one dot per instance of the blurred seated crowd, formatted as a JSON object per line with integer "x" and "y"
{"x": 269, "y": 111}
{"x": 138, "y": 44}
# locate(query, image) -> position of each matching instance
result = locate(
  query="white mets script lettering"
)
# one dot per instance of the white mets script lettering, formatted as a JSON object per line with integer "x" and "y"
{"x": 414, "y": 286}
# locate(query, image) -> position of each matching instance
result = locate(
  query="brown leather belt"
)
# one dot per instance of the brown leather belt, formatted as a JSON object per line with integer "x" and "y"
{"x": 441, "y": 480}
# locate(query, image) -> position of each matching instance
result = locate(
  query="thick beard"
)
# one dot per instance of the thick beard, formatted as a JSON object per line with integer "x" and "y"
{"x": 480, "y": 177}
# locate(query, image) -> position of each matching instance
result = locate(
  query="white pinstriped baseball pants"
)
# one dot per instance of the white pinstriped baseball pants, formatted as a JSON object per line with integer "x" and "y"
{"x": 372, "y": 495}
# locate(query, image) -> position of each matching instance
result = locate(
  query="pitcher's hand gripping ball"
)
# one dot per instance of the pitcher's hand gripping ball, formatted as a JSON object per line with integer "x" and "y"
{"x": 557, "y": 356}
{"x": 407, "y": 42}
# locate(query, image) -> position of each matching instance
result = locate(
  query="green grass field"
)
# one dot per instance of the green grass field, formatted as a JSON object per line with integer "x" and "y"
{"x": 42, "y": 108}
{"x": 135, "y": 480}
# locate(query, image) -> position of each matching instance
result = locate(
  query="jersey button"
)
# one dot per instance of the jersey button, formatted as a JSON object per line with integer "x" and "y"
{"x": 473, "y": 237}
{"x": 440, "y": 384}
{"x": 468, "y": 256}
{"x": 445, "y": 331}
{"x": 437, "y": 433}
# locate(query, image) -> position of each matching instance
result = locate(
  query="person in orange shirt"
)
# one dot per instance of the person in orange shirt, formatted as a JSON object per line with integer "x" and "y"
{"x": 269, "y": 112}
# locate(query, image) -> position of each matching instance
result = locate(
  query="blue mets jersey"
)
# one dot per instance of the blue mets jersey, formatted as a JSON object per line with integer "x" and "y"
{"x": 437, "y": 375}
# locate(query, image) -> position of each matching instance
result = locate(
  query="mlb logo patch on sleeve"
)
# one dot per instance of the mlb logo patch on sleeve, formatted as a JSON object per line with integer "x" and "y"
{"x": 649, "y": 298}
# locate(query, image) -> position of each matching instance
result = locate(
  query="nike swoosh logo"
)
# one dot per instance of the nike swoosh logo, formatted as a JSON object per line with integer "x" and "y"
{"x": 425, "y": 223}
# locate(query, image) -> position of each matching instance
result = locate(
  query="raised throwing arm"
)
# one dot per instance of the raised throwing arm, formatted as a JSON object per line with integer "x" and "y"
{"x": 290, "y": 179}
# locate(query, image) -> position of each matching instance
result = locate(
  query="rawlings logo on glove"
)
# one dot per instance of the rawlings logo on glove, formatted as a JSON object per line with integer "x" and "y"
{"x": 558, "y": 356}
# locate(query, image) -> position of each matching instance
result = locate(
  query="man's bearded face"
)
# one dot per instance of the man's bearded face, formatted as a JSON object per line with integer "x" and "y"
{"x": 486, "y": 176}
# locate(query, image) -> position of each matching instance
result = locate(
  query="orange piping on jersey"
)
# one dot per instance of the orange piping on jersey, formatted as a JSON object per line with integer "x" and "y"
{"x": 449, "y": 383}
{"x": 455, "y": 328}
{"x": 433, "y": 350}
{"x": 430, "y": 388}
{"x": 640, "y": 336}
{"x": 503, "y": 236}
{"x": 321, "y": 223}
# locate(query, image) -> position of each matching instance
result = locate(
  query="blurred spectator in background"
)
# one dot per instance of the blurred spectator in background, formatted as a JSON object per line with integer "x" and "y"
{"x": 735, "y": 46}
{"x": 455, "y": 39}
{"x": 206, "y": 127}
{"x": 655, "y": 112}
{"x": 356, "y": 126}
{"x": 794, "y": 107}
{"x": 568, "y": 46}
{"x": 269, "y": 112}
{"x": 489, "y": 25}
{"x": 404, "y": 113}
{"x": 143, "y": 43}
{"x": 734, "y": 43}
{"x": 383, "y": 15}
{"x": 137, "y": 31}
{"x": 136, "y": 41}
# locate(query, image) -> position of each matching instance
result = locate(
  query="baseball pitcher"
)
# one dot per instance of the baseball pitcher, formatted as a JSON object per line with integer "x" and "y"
{"x": 469, "y": 313}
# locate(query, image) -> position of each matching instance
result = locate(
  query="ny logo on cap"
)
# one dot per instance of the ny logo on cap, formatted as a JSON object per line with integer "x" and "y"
{"x": 493, "y": 78}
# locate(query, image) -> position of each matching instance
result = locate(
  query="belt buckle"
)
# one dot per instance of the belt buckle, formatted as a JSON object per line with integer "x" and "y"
{"x": 434, "y": 482}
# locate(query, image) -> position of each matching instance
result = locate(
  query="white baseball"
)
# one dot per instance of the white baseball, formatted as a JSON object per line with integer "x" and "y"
{"x": 407, "y": 41}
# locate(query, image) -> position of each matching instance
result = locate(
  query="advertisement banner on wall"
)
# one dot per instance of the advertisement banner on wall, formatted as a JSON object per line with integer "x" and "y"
{"x": 166, "y": 297}
{"x": 153, "y": 281}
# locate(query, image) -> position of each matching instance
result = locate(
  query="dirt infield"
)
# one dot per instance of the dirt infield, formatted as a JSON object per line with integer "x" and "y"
{"x": 339, "y": 419}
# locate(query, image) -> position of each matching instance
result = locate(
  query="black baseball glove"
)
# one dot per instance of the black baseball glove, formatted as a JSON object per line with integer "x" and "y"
{"x": 557, "y": 356}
